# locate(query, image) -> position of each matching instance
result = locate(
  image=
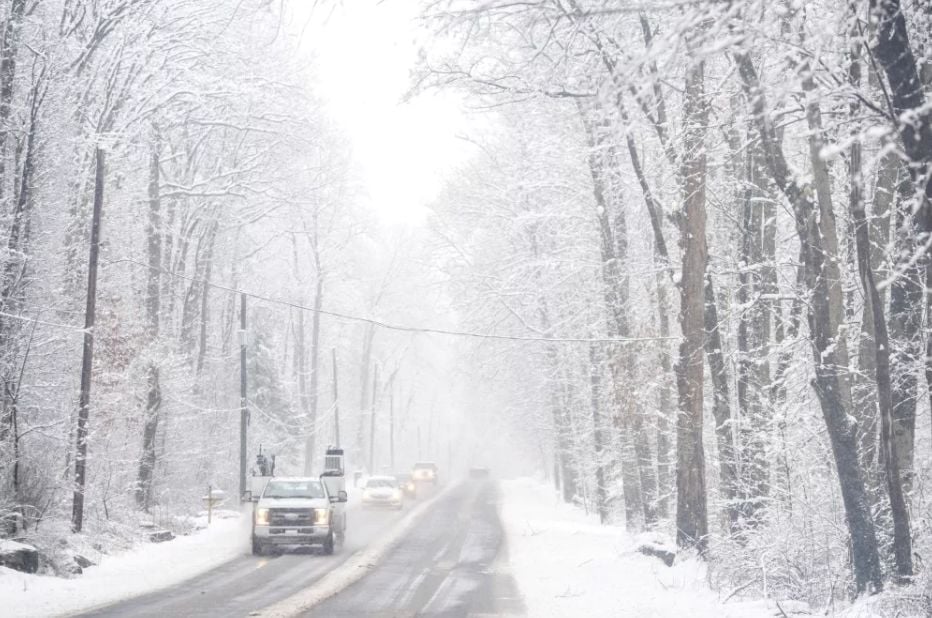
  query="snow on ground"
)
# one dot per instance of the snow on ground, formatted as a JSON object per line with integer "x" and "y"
{"x": 895, "y": 602}
{"x": 140, "y": 570}
{"x": 567, "y": 565}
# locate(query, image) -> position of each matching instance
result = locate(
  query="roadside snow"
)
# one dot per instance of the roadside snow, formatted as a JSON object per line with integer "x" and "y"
{"x": 143, "y": 569}
{"x": 11, "y": 546}
{"x": 567, "y": 565}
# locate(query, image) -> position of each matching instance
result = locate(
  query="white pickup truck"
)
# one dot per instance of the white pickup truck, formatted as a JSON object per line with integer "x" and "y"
{"x": 298, "y": 511}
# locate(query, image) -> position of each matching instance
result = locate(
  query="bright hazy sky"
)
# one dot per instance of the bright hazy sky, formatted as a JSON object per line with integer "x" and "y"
{"x": 366, "y": 50}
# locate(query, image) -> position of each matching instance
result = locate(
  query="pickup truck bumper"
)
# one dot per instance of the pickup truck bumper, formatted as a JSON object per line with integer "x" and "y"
{"x": 302, "y": 535}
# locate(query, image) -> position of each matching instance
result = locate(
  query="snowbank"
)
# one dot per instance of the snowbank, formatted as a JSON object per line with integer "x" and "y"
{"x": 906, "y": 602}
{"x": 567, "y": 565}
{"x": 143, "y": 569}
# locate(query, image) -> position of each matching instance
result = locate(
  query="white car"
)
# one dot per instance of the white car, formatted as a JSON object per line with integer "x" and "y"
{"x": 382, "y": 491}
{"x": 298, "y": 511}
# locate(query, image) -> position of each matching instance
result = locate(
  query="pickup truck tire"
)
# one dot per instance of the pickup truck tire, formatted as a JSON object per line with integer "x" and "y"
{"x": 257, "y": 548}
{"x": 328, "y": 545}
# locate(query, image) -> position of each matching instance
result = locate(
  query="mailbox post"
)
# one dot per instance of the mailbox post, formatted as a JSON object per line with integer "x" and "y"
{"x": 214, "y": 496}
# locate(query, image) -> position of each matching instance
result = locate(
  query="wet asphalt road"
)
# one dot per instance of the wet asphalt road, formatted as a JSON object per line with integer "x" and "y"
{"x": 445, "y": 567}
{"x": 251, "y": 583}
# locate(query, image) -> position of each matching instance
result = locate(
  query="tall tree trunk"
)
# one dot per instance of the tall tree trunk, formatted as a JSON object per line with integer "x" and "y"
{"x": 564, "y": 439}
{"x": 634, "y": 416}
{"x": 638, "y": 480}
{"x": 9, "y": 48}
{"x": 598, "y": 432}
{"x": 13, "y": 283}
{"x": 365, "y": 361}
{"x": 205, "y": 297}
{"x": 757, "y": 280}
{"x": 831, "y": 270}
{"x": 564, "y": 474}
{"x": 147, "y": 460}
{"x": 902, "y": 538}
{"x": 714, "y": 347}
{"x": 895, "y": 55}
{"x": 721, "y": 407}
{"x": 87, "y": 358}
{"x": 691, "y": 516}
{"x": 12, "y": 299}
{"x": 824, "y": 333}
{"x": 659, "y": 122}
{"x": 664, "y": 404}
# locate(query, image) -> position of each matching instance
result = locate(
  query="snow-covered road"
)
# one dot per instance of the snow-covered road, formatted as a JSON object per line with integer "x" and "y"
{"x": 479, "y": 548}
{"x": 250, "y": 583}
{"x": 447, "y": 565}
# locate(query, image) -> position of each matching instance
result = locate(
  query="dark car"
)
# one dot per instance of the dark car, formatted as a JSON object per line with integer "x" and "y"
{"x": 425, "y": 472}
{"x": 479, "y": 472}
{"x": 407, "y": 484}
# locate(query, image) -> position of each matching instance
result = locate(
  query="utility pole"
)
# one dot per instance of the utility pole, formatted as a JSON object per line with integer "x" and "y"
{"x": 375, "y": 394}
{"x": 391, "y": 425}
{"x": 336, "y": 399}
{"x": 244, "y": 411}
{"x": 87, "y": 356}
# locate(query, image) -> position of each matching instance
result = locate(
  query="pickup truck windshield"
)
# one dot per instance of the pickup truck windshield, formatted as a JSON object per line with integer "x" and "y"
{"x": 293, "y": 489}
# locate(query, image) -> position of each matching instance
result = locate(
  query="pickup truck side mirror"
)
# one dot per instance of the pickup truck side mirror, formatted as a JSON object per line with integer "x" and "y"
{"x": 340, "y": 497}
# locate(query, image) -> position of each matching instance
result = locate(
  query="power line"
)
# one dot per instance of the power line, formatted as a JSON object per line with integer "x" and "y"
{"x": 36, "y": 320}
{"x": 388, "y": 325}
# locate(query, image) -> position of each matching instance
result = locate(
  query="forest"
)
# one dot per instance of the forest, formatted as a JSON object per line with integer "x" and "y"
{"x": 718, "y": 214}
{"x": 683, "y": 274}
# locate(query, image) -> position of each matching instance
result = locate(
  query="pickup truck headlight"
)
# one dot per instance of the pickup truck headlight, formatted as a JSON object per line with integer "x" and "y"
{"x": 262, "y": 517}
{"x": 321, "y": 517}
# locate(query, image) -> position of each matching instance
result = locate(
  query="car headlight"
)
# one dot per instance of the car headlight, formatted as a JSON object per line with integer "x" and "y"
{"x": 321, "y": 517}
{"x": 397, "y": 494}
{"x": 262, "y": 517}
{"x": 410, "y": 486}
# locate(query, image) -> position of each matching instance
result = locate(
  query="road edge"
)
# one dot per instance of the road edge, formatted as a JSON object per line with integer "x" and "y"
{"x": 351, "y": 570}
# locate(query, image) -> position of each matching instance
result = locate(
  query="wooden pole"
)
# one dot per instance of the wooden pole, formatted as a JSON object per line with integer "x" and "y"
{"x": 336, "y": 400}
{"x": 375, "y": 393}
{"x": 87, "y": 357}
{"x": 391, "y": 426}
{"x": 244, "y": 411}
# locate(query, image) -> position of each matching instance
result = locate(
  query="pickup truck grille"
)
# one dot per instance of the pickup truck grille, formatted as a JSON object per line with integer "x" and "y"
{"x": 291, "y": 517}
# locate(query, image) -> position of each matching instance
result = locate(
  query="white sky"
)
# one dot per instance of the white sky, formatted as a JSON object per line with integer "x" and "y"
{"x": 366, "y": 50}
